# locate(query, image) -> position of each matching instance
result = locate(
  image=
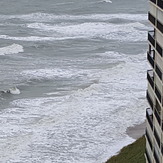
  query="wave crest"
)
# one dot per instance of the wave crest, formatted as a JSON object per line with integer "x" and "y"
{"x": 11, "y": 49}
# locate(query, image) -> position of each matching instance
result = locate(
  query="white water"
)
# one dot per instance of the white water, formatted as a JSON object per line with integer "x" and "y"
{"x": 108, "y": 1}
{"x": 122, "y": 32}
{"x": 45, "y": 17}
{"x": 88, "y": 125}
{"x": 11, "y": 49}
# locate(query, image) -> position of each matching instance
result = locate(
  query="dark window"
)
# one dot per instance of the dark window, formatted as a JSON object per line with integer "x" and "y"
{"x": 159, "y": 49}
{"x": 160, "y": 3}
{"x": 158, "y": 71}
{"x": 159, "y": 26}
{"x": 158, "y": 93}
{"x": 150, "y": 78}
{"x": 151, "y": 36}
{"x": 156, "y": 157}
{"x": 154, "y": 1}
{"x": 151, "y": 18}
{"x": 157, "y": 115}
{"x": 157, "y": 137}
{"x": 149, "y": 100}
{"x": 150, "y": 57}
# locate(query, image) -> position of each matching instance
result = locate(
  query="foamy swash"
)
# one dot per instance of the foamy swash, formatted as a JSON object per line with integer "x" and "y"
{"x": 94, "y": 119}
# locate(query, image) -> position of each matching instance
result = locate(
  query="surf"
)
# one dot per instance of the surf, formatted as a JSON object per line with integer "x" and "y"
{"x": 11, "y": 49}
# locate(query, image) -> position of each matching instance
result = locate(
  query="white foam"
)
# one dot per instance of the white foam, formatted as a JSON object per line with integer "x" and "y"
{"x": 123, "y": 32}
{"x": 108, "y": 1}
{"x": 11, "y": 49}
{"x": 110, "y": 57}
{"x": 49, "y": 73}
{"x": 34, "y": 38}
{"x": 14, "y": 91}
{"x": 89, "y": 125}
{"x": 45, "y": 17}
{"x": 97, "y": 27}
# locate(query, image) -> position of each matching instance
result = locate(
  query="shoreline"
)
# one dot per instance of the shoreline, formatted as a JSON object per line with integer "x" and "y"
{"x": 133, "y": 152}
{"x": 136, "y": 131}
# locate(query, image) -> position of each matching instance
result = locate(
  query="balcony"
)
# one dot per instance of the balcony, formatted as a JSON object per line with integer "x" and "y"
{"x": 158, "y": 94}
{"x": 160, "y": 3}
{"x": 150, "y": 78}
{"x": 150, "y": 57}
{"x": 151, "y": 37}
{"x": 158, "y": 71}
{"x": 149, "y": 117}
{"x": 149, "y": 100}
{"x": 157, "y": 115}
{"x": 147, "y": 156}
{"x": 162, "y": 129}
{"x": 151, "y": 18}
{"x": 156, "y": 157}
{"x": 160, "y": 26}
{"x": 149, "y": 139}
{"x": 157, "y": 137}
{"x": 159, "y": 49}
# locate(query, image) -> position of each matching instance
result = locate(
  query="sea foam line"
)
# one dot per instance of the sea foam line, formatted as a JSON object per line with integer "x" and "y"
{"x": 45, "y": 17}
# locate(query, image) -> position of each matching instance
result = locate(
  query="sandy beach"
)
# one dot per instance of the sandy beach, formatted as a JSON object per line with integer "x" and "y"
{"x": 136, "y": 131}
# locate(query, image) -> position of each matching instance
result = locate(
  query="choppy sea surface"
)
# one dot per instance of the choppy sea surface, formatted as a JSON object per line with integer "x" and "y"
{"x": 80, "y": 67}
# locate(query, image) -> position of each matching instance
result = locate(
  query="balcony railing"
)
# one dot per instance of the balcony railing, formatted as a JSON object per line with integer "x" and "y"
{"x": 149, "y": 117}
{"x": 154, "y": 1}
{"x": 147, "y": 156}
{"x": 160, "y": 26}
{"x": 149, "y": 100}
{"x": 150, "y": 78}
{"x": 157, "y": 137}
{"x": 158, "y": 94}
{"x": 156, "y": 157}
{"x": 157, "y": 115}
{"x": 151, "y": 18}
{"x": 150, "y": 57}
{"x": 151, "y": 37}
{"x": 160, "y": 3}
{"x": 158, "y": 71}
{"x": 148, "y": 138}
{"x": 159, "y": 49}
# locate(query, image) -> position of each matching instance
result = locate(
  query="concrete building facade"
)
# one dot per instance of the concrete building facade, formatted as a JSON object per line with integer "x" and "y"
{"x": 154, "y": 114}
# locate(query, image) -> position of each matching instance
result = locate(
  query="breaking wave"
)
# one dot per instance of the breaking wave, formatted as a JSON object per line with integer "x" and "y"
{"x": 45, "y": 17}
{"x": 11, "y": 49}
{"x": 121, "y": 32}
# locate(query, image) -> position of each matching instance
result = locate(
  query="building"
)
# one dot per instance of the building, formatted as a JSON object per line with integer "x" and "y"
{"x": 154, "y": 114}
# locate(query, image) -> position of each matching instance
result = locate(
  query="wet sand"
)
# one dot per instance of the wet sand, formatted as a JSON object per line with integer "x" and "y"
{"x": 136, "y": 131}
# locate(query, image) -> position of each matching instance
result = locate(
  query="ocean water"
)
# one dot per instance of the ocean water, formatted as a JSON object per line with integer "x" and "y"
{"x": 80, "y": 67}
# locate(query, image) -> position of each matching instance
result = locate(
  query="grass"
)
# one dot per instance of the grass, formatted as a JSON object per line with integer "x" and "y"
{"x": 133, "y": 153}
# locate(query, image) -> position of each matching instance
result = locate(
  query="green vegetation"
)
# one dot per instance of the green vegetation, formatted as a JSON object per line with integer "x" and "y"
{"x": 133, "y": 153}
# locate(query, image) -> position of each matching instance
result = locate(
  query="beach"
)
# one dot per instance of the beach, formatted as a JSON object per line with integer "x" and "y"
{"x": 136, "y": 131}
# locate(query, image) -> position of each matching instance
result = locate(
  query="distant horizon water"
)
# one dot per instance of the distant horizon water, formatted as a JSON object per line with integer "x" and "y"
{"x": 73, "y": 78}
